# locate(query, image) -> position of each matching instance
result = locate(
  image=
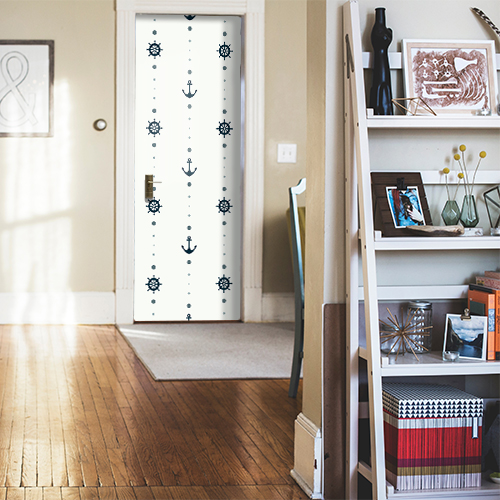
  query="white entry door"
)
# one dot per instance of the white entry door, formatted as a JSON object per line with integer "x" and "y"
{"x": 188, "y": 137}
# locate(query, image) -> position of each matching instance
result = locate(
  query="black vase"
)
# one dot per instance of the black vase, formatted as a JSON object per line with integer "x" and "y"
{"x": 381, "y": 93}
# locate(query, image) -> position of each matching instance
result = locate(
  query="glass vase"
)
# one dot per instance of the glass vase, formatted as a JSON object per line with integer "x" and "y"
{"x": 468, "y": 215}
{"x": 451, "y": 213}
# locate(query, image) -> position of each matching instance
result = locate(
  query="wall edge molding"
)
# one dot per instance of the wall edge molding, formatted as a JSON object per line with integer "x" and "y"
{"x": 278, "y": 307}
{"x": 308, "y": 460}
{"x": 57, "y": 308}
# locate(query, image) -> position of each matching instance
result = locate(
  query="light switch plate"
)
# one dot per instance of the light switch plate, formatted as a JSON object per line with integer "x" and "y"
{"x": 287, "y": 153}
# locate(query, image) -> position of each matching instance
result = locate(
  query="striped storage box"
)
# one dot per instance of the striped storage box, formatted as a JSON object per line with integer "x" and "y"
{"x": 432, "y": 436}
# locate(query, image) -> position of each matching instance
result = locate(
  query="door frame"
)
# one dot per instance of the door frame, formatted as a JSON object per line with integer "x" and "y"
{"x": 252, "y": 12}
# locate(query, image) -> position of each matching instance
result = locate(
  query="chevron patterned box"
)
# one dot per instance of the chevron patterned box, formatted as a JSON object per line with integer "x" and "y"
{"x": 432, "y": 436}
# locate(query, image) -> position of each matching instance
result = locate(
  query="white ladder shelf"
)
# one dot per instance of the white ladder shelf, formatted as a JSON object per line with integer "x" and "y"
{"x": 362, "y": 243}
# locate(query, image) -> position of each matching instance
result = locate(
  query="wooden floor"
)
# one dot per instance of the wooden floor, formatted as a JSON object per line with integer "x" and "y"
{"x": 80, "y": 418}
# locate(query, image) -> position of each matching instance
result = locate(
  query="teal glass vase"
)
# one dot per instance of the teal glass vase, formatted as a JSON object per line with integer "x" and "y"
{"x": 468, "y": 215}
{"x": 451, "y": 213}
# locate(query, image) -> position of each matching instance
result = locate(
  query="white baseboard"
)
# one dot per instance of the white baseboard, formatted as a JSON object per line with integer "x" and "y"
{"x": 64, "y": 308}
{"x": 278, "y": 307}
{"x": 308, "y": 462}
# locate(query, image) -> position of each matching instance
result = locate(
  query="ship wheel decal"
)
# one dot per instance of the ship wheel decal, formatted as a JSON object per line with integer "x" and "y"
{"x": 154, "y": 49}
{"x": 154, "y": 128}
{"x": 224, "y": 128}
{"x": 224, "y": 51}
{"x": 153, "y": 284}
{"x": 224, "y": 283}
{"x": 224, "y": 206}
{"x": 153, "y": 206}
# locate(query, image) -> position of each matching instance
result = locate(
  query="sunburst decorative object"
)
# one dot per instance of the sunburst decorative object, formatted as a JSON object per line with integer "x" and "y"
{"x": 402, "y": 332}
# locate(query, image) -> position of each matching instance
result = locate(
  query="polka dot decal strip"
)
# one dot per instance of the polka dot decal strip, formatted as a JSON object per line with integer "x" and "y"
{"x": 188, "y": 137}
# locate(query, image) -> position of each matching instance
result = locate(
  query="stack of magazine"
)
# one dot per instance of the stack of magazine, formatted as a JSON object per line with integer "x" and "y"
{"x": 433, "y": 436}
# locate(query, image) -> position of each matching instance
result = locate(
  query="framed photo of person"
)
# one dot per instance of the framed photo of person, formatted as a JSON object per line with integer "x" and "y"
{"x": 400, "y": 202}
{"x": 466, "y": 335}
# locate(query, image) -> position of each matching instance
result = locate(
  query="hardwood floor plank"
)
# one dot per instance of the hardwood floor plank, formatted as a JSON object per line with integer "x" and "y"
{"x": 89, "y": 493}
{"x": 52, "y": 493}
{"x": 79, "y": 396}
{"x": 61, "y": 349}
{"x": 44, "y": 462}
{"x": 290, "y": 492}
{"x": 125, "y": 493}
{"x": 161, "y": 493}
{"x": 107, "y": 493}
{"x": 15, "y": 461}
{"x": 143, "y": 493}
{"x": 70, "y": 493}
{"x": 15, "y": 494}
{"x": 33, "y": 494}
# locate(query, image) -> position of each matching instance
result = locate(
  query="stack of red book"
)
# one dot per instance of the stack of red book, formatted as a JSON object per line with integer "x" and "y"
{"x": 433, "y": 436}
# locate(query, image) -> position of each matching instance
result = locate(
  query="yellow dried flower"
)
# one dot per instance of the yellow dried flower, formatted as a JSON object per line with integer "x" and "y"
{"x": 462, "y": 147}
{"x": 446, "y": 170}
{"x": 460, "y": 175}
{"x": 457, "y": 157}
{"x": 482, "y": 154}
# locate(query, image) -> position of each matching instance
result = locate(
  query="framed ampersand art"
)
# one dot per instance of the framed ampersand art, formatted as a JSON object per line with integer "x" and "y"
{"x": 26, "y": 88}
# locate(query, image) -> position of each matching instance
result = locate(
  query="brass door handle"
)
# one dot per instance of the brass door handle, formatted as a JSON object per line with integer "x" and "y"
{"x": 148, "y": 186}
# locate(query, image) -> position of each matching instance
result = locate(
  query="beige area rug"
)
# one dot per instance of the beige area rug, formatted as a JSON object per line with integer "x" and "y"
{"x": 196, "y": 351}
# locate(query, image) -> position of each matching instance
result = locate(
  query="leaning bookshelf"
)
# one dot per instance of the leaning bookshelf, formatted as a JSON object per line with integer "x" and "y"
{"x": 367, "y": 368}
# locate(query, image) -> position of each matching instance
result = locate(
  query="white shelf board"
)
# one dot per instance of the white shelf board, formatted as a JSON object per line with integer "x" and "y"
{"x": 488, "y": 489}
{"x": 431, "y": 363}
{"x": 430, "y": 122}
{"x": 409, "y": 243}
{"x": 396, "y": 60}
{"x": 429, "y": 292}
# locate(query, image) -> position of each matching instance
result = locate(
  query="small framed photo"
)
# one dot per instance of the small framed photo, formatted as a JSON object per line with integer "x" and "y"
{"x": 405, "y": 206}
{"x": 26, "y": 88}
{"x": 467, "y": 336}
{"x": 400, "y": 202}
{"x": 455, "y": 76}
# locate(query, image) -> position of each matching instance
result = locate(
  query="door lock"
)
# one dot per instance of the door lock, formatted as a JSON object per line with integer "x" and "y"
{"x": 149, "y": 186}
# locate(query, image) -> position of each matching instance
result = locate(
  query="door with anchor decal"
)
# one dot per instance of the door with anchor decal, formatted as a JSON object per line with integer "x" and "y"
{"x": 187, "y": 168}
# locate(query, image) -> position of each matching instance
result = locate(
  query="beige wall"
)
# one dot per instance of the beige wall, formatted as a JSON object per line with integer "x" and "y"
{"x": 285, "y": 122}
{"x": 57, "y": 193}
{"x": 57, "y": 201}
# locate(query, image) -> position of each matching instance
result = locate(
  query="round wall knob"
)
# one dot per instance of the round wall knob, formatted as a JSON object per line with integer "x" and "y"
{"x": 100, "y": 124}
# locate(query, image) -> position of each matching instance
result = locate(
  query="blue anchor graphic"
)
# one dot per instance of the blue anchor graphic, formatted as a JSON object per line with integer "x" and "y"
{"x": 189, "y": 249}
{"x": 189, "y": 91}
{"x": 188, "y": 317}
{"x": 189, "y": 172}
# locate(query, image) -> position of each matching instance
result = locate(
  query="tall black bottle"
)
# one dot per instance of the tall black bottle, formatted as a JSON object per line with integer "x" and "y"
{"x": 381, "y": 93}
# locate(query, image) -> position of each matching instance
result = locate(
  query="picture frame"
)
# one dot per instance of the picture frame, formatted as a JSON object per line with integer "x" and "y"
{"x": 451, "y": 76}
{"x": 26, "y": 88}
{"x": 466, "y": 335}
{"x": 399, "y": 202}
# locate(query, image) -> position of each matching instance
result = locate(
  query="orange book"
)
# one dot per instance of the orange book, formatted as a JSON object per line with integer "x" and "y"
{"x": 487, "y": 303}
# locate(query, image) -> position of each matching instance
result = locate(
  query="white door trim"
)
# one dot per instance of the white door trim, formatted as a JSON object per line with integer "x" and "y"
{"x": 252, "y": 12}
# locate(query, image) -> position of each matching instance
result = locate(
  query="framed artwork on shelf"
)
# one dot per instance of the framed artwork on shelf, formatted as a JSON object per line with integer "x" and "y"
{"x": 26, "y": 88}
{"x": 466, "y": 335}
{"x": 400, "y": 202}
{"x": 452, "y": 76}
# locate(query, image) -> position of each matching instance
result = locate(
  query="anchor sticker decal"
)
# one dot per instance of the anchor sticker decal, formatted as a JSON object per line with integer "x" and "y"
{"x": 189, "y": 90}
{"x": 189, "y": 172}
{"x": 189, "y": 249}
